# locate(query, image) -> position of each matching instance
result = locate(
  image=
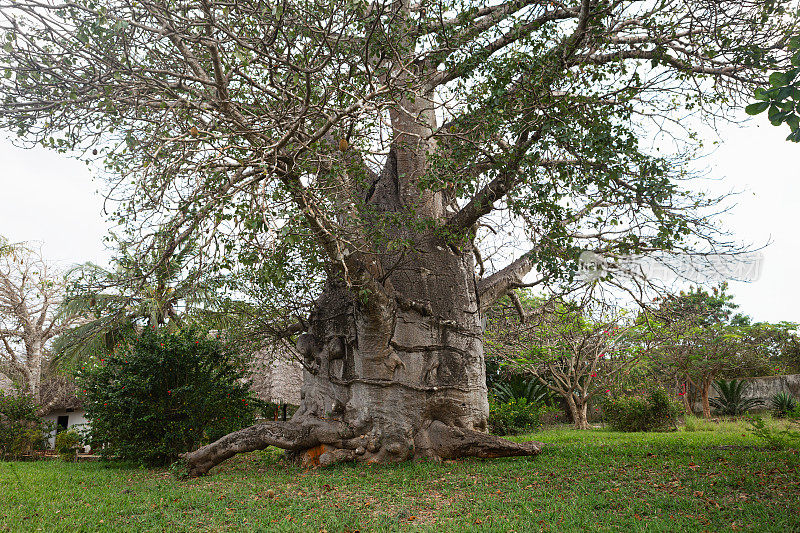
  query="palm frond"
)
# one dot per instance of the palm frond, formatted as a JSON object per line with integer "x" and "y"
{"x": 732, "y": 398}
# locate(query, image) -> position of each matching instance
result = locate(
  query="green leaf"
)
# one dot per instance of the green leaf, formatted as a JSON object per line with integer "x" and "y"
{"x": 761, "y": 94}
{"x": 778, "y": 79}
{"x": 775, "y": 115}
{"x": 755, "y": 109}
{"x": 783, "y": 93}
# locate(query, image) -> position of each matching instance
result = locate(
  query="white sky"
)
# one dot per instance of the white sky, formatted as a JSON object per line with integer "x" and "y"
{"x": 49, "y": 198}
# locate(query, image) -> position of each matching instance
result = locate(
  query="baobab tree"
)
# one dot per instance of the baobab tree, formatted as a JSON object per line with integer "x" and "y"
{"x": 358, "y": 154}
{"x": 31, "y": 292}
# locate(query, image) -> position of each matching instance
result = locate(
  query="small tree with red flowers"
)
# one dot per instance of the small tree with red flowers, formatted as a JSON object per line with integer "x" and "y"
{"x": 575, "y": 351}
{"x": 162, "y": 394}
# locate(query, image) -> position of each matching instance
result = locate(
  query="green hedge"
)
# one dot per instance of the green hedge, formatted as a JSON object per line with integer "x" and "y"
{"x": 22, "y": 430}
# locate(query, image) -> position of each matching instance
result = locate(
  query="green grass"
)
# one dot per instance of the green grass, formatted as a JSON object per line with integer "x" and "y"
{"x": 718, "y": 480}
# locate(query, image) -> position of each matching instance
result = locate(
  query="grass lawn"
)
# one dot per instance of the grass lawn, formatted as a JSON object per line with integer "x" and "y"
{"x": 712, "y": 479}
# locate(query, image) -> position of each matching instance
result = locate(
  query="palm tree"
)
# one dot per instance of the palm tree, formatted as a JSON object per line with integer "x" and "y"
{"x": 732, "y": 398}
{"x": 140, "y": 291}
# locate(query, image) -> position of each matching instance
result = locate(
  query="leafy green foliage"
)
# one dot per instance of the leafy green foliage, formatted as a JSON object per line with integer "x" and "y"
{"x": 162, "y": 394}
{"x": 517, "y": 387}
{"x": 782, "y": 404}
{"x": 517, "y": 415}
{"x": 778, "y": 438}
{"x": 633, "y": 413}
{"x": 67, "y": 444}
{"x": 782, "y": 99}
{"x": 577, "y": 355}
{"x": 138, "y": 291}
{"x": 704, "y": 340}
{"x": 732, "y": 398}
{"x": 22, "y": 430}
{"x": 551, "y": 100}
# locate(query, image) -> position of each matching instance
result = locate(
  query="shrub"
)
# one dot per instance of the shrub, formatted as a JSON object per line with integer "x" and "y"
{"x": 635, "y": 413}
{"x": 731, "y": 400}
{"x": 778, "y": 438}
{"x": 550, "y": 415}
{"x": 518, "y": 387}
{"x": 67, "y": 444}
{"x": 515, "y": 416}
{"x": 782, "y": 404}
{"x": 162, "y": 394}
{"x": 22, "y": 431}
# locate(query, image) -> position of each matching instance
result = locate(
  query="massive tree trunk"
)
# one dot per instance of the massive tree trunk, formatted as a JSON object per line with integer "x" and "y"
{"x": 394, "y": 351}
{"x": 390, "y": 375}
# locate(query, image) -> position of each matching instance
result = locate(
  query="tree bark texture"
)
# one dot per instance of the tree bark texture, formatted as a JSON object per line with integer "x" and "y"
{"x": 388, "y": 379}
{"x": 394, "y": 362}
{"x": 705, "y": 386}
{"x": 578, "y": 410}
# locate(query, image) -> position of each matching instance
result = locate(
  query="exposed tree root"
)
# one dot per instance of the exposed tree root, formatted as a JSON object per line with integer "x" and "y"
{"x": 322, "y": 443}
{"x": 451, "y": 442}
{"x": 286, "y": 435}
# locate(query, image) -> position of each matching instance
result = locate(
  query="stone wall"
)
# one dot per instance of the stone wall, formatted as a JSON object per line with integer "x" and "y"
{"x": 763, "y": 387}
{"x": 769, "y": 386}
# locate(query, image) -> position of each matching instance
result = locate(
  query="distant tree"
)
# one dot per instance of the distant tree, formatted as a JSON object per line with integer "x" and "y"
{"x": 575, "y": 355}
{"x": 704, "y": 340}
{"x": 775, "y": 347}
{"x": 136, "y": 293}
{"x": 30, "y": 294}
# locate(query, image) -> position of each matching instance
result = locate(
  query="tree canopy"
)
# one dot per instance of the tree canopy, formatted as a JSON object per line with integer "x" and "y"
{"x": 261, "y": 130}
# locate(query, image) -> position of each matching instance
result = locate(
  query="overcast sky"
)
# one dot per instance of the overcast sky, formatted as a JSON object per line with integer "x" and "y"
{"x": 49, "y": 198}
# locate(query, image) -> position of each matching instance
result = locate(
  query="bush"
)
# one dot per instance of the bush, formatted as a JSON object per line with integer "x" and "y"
{"x": 782, "y": 404}
{"x": 67, "y": 444}
{"x": 635, "y": 413}
{"x": 162, "y": 394}
{"x": 550, "y": 415}
{"x": 515, "y": 416}
{"x": 518, "y": 387}
{"x": 731, "y": 400}
{"x": 781, "y": 438}
{"x": 22, "y": 431}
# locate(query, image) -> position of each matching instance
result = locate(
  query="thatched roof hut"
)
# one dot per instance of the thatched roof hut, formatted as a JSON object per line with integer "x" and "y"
{"x": 277, "y": 375}
{"x": 5, "y": 384}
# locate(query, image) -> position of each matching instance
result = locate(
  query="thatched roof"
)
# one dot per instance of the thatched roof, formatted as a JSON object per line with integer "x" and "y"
{"x": 277, "y": 375}
{"x": 59, "y": 393}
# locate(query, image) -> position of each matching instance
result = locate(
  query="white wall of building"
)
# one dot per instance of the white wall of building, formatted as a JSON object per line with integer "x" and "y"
{"x": 76, "y": 419}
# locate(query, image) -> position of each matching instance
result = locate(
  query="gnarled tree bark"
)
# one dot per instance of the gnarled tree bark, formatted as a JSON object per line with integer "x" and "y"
{"x": 395, "y": 375}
